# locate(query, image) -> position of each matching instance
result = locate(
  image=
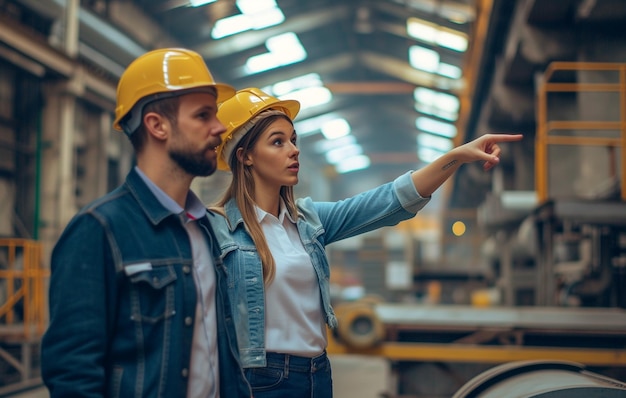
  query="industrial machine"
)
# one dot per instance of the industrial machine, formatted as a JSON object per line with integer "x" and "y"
{"x": 559, "y": 253}
{"x": 546, "y": 379}
{"x": 433, "y": 350}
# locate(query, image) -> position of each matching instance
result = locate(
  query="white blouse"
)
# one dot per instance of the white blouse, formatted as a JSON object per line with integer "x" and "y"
{"x": 294, "y": 322}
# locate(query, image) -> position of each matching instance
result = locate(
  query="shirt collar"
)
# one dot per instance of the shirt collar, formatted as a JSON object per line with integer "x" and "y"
{"x": 261, "y": 214}
{"x": 193, "y": 205}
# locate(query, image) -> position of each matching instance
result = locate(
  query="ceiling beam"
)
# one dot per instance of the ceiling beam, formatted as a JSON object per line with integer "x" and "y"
{"x": 365, "y": 87}
{"x": 297, "y": 24}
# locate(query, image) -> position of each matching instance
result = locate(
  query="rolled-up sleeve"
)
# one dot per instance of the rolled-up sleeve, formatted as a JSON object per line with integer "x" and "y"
{"x": 407, "y": 194}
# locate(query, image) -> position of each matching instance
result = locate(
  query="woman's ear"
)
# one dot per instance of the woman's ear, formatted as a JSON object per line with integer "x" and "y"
{"x": 156, "y": 125}
{"x": 240, "y": 157}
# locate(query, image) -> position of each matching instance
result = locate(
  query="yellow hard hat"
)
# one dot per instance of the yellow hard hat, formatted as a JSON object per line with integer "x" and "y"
{"x": 160, "y": 74}
{"x": 239, "y": 110}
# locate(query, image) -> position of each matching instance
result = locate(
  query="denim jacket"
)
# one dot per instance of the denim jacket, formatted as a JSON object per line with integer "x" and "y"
{"x": 319, "y": 224}
{"x": 123, "y": 302}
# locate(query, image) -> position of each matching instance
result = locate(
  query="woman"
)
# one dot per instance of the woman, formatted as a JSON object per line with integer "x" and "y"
{"x": 273, "y": 246}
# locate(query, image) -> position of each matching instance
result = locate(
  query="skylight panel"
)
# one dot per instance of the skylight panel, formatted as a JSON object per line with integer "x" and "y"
{"x": 353, "y": 163}
{"x": 424, "y": 59}
{"x": 435, "y": 103}
{"x": 436, "y": 127}
{"x": 310, "y": 97}
{"x": 336, "y": 155}
{"x": 438, "y": 143}
{"x": 199, "y": 3}
{"x": 434, "y": 34}
{"x": 255, "y": 15}
{"x": 336, "y": 128}
{"x": 428, "y": 155}
{"x": 283, "y": 50}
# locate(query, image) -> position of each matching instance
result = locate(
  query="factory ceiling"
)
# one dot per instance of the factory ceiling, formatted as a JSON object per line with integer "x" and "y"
{"x": 359, "y": 51}
{"x": 407, "y": 76}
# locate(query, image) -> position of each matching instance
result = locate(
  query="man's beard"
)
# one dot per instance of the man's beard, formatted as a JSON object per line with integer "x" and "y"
{"x": 193, "y": 163}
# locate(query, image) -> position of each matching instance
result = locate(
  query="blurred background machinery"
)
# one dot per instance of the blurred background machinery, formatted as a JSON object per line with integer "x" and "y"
{"x": 524, "y": 263}
{"x": 541, "y": 379}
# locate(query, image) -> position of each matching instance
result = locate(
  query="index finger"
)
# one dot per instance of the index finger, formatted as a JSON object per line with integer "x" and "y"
{"x": 507, "y": 137}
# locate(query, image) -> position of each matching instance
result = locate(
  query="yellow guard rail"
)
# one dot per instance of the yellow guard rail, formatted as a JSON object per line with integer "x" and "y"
{"x": 546, "y": 129}
{"x": 23, "y": 305}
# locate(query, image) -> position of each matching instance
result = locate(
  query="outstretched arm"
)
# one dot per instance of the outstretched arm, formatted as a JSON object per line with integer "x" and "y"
{"x": 485, "y": 148}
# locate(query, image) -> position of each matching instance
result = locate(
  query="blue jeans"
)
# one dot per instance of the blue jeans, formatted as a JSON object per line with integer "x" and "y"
{"x": 292, "y": 376}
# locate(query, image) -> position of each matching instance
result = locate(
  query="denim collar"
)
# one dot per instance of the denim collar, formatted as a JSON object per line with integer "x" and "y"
{"x": 233, "y": 214}
{"x": 155, "y": 209}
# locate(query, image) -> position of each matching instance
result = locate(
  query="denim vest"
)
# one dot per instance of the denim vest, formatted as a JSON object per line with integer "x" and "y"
{"x": 319, "y": 224}
{"x": 123, "y": 303}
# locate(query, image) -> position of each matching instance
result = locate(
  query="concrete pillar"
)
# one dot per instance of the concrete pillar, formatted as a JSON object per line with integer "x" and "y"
{"x": 49, "y": 217}
{"x": 91, "y": 138}
{"x": 7, "y": 206}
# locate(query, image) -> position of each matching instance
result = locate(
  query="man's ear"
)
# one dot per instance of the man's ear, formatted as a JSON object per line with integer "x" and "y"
{"x": 247, "y": 161}
{"x": 157, "y": 125}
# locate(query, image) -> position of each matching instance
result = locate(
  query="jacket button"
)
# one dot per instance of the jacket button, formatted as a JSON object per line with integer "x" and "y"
{"x": 188, "y": 321}
{"x": 185, "y": 372}
{"x": 186, "y": 269}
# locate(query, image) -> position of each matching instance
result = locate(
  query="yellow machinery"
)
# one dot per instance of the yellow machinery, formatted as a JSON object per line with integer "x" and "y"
{"x": 435, "y": 349}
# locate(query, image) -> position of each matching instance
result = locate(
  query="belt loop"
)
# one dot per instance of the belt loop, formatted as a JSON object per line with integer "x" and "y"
{"x": 287, "y": 365}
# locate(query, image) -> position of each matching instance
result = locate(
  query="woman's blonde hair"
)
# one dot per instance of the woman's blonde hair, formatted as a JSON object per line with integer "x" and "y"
{"x": 242, "y": 189}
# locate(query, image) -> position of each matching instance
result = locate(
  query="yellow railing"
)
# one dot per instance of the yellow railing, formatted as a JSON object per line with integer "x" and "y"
{"x": 546, "y": 128}
{"x": 23, "y": 281}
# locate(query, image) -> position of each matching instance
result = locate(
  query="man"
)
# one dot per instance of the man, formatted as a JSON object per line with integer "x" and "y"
{"x": 138, "y": 304}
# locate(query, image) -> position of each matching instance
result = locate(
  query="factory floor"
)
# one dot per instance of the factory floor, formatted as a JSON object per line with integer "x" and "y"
{"x": 353, "y": 377}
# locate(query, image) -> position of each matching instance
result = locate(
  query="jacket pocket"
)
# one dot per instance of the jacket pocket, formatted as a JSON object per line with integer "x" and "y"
{"x": 152, "y": 297}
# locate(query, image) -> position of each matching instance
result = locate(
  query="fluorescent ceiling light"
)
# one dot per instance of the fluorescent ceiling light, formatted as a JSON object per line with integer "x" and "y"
{"x": 230, "y": 26}
{"x": 312, "y": 124}
{"x": 310, "y": 97}
{"x": 336, "y": 155}
{"x": 436, "y": 103}
{"x": 428, "y": 155}
{"x": 424, "y": 59}
{"x": 323, "y": 146}
{"x": 428, "y": 60}
{"x": 255, "y": 6}
{"x": 309, "y": 90}
{"x": 283, "y": 49}
{"x": 431, "y": 33}
{"x": 352, "y": 164}
{"x": 297, "y": 83}
{"x": 198, "y": 3}
{"x": 284, "y": 43}
{"x": 436, "y": 127}
{"x": 439, "y": 143}
{"x": 336, "y": 128}
{"x": 422, "y": 30}
{"x": 440, "y": 113}
{"x": 255, "y": 15}
{"x": 267, "y": 18}
{"x": 451, "y": 71}
{"x": 452, "y": 40}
